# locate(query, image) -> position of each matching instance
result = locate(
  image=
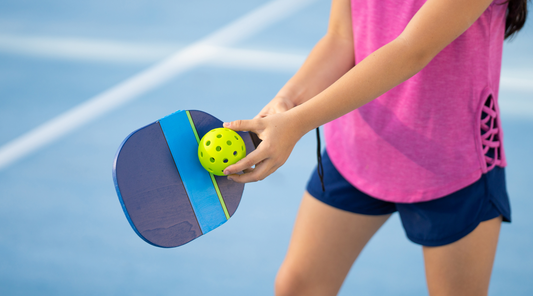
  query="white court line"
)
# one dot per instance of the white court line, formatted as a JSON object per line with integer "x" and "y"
{"x": 517, "y": 79}
{"x": 86, "y": 50}
{"x": 256, "y": 59}
{"x": 183, "y": 60}
{"x": 518, "y": 84}
{"x": 516, "y": 93}
{"x": 115, "y": 52}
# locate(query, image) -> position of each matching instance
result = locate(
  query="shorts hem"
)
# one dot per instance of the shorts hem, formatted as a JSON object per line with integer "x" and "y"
{"x": 506, "y": 217}
{"x": 446, "y": 241}
{"x": 453, "y": 238}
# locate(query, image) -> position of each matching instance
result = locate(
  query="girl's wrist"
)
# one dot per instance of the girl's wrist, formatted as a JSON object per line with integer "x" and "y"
{"x": 301, "y": 123}
{"x": 291, "y": 94}
{"x": 286, "y": 101}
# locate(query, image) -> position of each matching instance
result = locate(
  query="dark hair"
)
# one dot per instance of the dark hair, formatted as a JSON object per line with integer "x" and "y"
{"x": 516, "y": 16}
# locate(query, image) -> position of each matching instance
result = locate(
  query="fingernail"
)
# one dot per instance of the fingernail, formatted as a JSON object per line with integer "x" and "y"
{"x": 229, "y": 178}
{"x": 227, "y": 124}
{"x": 225, "y": 172}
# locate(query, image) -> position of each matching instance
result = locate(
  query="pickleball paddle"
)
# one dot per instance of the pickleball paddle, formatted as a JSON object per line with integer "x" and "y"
{"x": 168, "y": 197}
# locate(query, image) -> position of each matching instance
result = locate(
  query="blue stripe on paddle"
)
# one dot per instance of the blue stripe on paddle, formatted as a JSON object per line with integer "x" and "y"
{"x": 197, "y": 181}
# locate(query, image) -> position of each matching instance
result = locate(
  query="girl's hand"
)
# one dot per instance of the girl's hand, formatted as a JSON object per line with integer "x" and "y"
{"x": 277, "y": 105}
{"x": 278, "y": 133}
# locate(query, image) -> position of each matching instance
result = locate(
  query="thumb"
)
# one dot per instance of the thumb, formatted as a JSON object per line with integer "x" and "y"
{"x": 242, "y": 125}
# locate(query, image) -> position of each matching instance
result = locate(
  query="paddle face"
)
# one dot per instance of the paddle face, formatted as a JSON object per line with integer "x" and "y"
{"x": 167, "y": 196}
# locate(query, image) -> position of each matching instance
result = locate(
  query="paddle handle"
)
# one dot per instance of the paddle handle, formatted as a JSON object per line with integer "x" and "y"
{"x": 255, "y": 139}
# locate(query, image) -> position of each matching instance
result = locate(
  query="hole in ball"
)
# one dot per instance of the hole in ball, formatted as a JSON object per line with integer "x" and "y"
{"x": 225, "y": 160}
{"x": 228, "y": 142}
{"x": 219, "y": 136}
{"x": 207, "y": 143}
{"x": 212, "y": 159}
{"x": 236, "y": 138}
{"x": 201, "y": 154}
{"x": 234, "y": 153}
{"x": 218, "y": 148}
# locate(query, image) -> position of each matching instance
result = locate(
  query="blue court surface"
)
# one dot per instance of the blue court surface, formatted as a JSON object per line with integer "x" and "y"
{"x": 76, "y": 77}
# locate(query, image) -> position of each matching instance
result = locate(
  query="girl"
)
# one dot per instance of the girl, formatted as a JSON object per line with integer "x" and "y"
{"x": 412, "y": 125}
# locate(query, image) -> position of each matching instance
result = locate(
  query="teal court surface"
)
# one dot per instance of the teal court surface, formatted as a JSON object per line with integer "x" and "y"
{"x": 77, "y": 77}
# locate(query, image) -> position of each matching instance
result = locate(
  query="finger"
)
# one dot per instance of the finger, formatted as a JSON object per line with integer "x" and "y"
{"x": 248, "y": 170}
{"x": 260, "y": 172}
{"x": 252, "y": 159}
{"x": 243, "y": 125}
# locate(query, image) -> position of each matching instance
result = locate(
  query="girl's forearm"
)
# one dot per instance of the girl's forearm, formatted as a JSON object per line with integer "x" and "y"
{"x": 331, "y": 58}
{"x": 381, "y": 71}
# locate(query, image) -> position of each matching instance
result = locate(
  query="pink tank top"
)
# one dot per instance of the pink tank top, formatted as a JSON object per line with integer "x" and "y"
{"x": 438, "y": 131}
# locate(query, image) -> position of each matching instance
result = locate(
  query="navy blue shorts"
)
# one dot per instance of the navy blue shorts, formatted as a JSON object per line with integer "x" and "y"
{"x": 431, "y": 223}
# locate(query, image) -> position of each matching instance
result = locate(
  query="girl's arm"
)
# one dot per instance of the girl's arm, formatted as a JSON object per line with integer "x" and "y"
{"x": 433, "y": 27}
{"x": 331, "y": 58}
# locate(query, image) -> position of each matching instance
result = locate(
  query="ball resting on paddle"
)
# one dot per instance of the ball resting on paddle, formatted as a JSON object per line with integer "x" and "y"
{"x": 220, "y": 148}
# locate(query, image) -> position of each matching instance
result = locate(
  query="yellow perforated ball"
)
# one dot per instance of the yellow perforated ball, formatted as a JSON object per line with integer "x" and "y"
{"x": 220, "y": 148}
